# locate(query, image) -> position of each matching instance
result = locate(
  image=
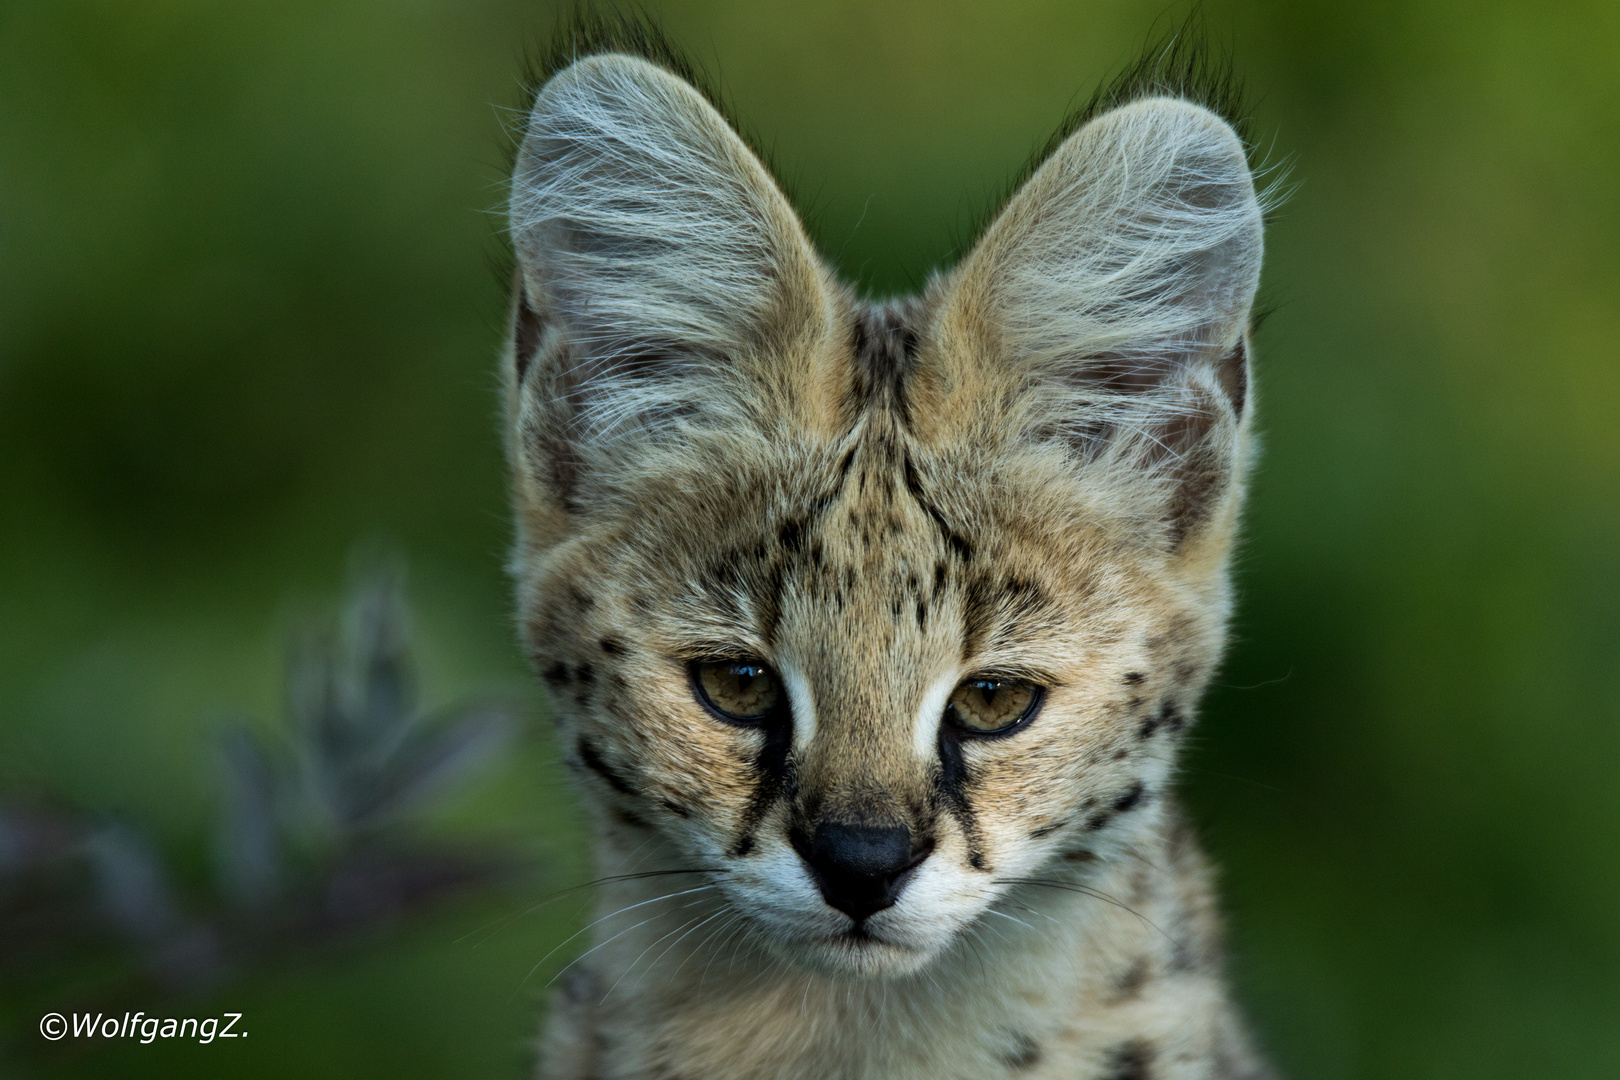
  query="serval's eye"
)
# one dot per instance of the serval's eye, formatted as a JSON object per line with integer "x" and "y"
{"x": 742, "y": 690}
{"x": 986, "y": 706}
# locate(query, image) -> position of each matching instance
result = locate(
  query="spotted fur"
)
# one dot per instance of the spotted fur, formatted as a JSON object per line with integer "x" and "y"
{"x": 1033, "y": 469}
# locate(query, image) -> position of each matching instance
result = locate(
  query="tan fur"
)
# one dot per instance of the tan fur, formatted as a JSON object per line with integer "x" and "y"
{"x": 1017, "y": 472}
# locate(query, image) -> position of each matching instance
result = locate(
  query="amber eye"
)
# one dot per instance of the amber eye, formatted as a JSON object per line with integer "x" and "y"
{"x": 986, "y": 706}
{"x": 743, "y": 690}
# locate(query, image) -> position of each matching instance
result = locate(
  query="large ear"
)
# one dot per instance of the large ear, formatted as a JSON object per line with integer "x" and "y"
{"x": 663, "y": 279}
{"x": 1111, "y": 302}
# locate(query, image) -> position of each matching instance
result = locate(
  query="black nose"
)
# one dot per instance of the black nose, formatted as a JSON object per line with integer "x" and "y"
{"x": 860, "y": 869}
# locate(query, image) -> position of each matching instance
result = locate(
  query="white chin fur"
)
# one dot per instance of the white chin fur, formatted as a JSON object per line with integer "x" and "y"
{"x": 847, "y": 957}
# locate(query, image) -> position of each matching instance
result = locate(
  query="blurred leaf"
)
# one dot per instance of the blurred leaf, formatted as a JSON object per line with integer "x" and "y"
{"x": 249, "y": 842}
{"x": 437, "y": 759}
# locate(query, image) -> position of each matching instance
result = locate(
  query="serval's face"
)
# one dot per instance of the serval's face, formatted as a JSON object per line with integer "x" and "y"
{"x": 867, "y": 612}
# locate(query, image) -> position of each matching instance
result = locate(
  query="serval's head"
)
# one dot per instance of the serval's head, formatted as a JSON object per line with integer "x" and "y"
{"x": 865, "y": 610}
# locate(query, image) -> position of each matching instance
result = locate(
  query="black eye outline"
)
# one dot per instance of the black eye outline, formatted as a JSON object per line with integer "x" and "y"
{"x": 1037, "y": 699}
{"x": 693, "y": 667}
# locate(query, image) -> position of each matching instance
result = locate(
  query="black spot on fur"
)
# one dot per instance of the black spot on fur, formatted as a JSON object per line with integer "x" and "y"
{"x": 1134, "y": 678}
{"x": 922, "y": 615}
{"x": 1048, "y": 830}
{"x": 676, "y": 808}
{"x": 791, "y": 535}
{"x": 1169, "y": 718}
{"x": 583, "y": 601}
{"x": 557, "y": 674}
{"x": 1130, "y": 982}
{"x": 591, "y": 758}
{"x": 1130, "y": 1060}
{"x": 743, "y": 847}
{"x": 1022, "y": 1053}
{"x": 586, "y": 674}
{"x": 1131, "y": 799}
{"x": 611, "y": 646}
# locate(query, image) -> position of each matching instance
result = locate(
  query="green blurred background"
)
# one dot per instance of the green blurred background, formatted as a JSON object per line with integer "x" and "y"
{"x": 248, "y": 315}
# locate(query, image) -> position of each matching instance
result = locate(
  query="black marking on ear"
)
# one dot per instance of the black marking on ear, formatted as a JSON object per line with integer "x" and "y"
{"x": 951, "y": 783}
{"x": 1131, "y": 1060}
{"x": 1232, "y": 371}
{"x": 1022, "y": 1053}
{"x": 591, "y": 758}
{"x": 1201, "y": 472}
{"x": 527, "y": 329}
{"x": 555, "y": 458}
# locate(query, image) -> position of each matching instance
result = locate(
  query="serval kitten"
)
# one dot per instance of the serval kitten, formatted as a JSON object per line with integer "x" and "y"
{"x": 872, "y": 629}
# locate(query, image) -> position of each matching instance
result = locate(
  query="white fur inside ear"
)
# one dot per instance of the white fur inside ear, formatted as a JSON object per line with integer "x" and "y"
{"x": 1120, "y": 281}
{"x": 1141, "y": 235}
{"x": 645, "y": 230}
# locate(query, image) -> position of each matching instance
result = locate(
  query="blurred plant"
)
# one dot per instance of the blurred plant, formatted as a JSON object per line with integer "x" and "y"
{"x": 318, "y": 837}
